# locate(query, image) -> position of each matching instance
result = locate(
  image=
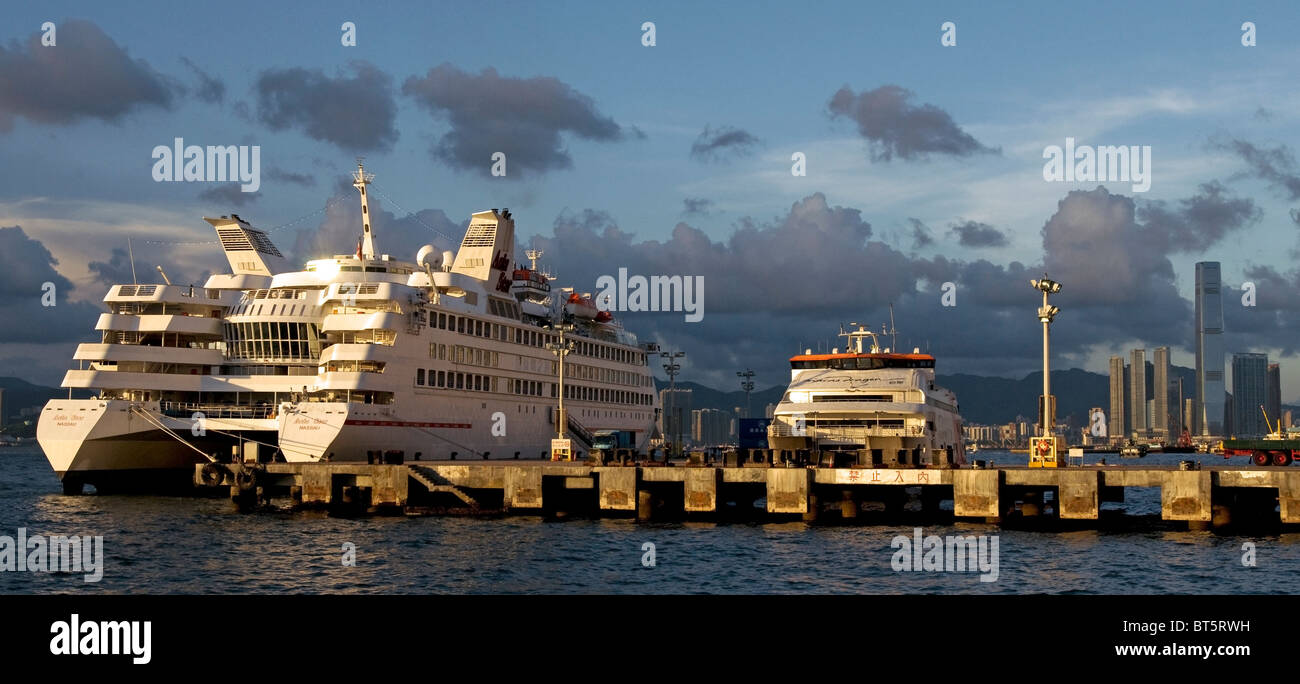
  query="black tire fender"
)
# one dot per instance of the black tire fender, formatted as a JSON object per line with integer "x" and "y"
{"x": 212, "y": 474}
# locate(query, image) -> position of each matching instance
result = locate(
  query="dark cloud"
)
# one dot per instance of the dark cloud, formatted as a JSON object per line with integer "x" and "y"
{"x": 210, "y": 89}
{"x": 798, "y": 277}
{"x": 25, "y": 268}
{"x": 148, "y": 256}
{"x": 977, "y": 235}
{"x": 354, "y": 110}
{"x": 400, "y": 236}
{"x": 1199, "y": 221}
{"x": 895, "y": 127}
{"x": 722, "y": 144}
{"x": 520, "y": 117}
{"x": 304, "y": 179}
{"x": 696, "y": 206}
{"x": 1117, "y": 254}
{"x": 1275, "y": 166}
{"x": 921, "y": 236}
{"x": 87, "y": 75}
{"x": 228, "y": 194}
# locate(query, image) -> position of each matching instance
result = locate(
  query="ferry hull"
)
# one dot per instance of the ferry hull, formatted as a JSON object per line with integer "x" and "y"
{"x": 106, "y": 445}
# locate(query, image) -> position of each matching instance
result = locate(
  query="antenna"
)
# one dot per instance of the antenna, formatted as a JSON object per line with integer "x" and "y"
{"x": 164, "y": 275}
{"x": 533, "y": 255}
{"x": 131, "y": 252}
{"x": 360, "y": 180}
{"x": 893, "y": 332}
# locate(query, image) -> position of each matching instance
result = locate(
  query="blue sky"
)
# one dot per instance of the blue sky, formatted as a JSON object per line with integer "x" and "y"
{"x": 1022, "y": 76}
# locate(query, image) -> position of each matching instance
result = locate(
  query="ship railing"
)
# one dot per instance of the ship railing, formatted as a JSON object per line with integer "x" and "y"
{"x": 180, "y": 409}
{"x": 853, "y": 432}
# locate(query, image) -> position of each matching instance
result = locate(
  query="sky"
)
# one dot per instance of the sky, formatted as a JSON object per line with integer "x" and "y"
{"x": 923, "y": 162}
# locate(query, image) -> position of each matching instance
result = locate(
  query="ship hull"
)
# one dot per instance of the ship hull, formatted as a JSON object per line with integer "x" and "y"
{"x": 452, "y": 429}
{"x": 108, "y": 446}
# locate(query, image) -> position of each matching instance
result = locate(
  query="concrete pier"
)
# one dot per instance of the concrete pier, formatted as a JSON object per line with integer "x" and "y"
{"x": 1206, "y": 498}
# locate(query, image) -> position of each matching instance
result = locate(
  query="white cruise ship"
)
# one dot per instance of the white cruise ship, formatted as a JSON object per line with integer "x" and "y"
{"x": 357, "y": 357}
{"x": 870, "y": 406}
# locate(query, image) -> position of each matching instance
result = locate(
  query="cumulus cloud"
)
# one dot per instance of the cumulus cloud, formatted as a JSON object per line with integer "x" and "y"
{"x": 87, "y": 75}
{"x": 26, "y": 266}
{"x": 524, "y": 118}
{"x": 722, "y": 144}
{"x": 354, "y": 110}
{"x": 896, "y": 128}
{"x": 210, "y": 89}
{"x": 1120, "y": 283}
{"x": 400, "y": 236}
{"x": 117, "y": 270}
{"x": 977, "y": 235}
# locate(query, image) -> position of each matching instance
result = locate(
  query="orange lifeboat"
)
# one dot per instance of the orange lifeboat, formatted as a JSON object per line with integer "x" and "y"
{"x": 582, "y": 307}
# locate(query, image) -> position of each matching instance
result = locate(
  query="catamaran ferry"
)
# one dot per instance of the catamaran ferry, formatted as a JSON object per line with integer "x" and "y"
{"x": 356, "y": 357}
{"x": 870, "y": 406}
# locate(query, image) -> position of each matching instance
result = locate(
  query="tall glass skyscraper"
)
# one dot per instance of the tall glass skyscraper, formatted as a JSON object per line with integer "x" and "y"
{"x": 1116, "y": 428}
{"x": 1137, "y": 394}
{"x": 1210, "y": 389}
{"x": 1249, "y": 393}
{"x": 1160, "y": 393}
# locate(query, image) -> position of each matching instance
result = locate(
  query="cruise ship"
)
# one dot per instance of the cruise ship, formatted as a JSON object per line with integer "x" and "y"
{"x": 869, "y": 406}
{"x": 356, "y": 357}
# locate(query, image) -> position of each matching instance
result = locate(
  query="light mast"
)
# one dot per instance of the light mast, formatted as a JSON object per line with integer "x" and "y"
{"x": 360, "y": 180}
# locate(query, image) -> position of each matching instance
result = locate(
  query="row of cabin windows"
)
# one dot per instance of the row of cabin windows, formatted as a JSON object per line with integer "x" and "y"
{"x": 456, "y": 380}
{"x": 533, "y": 338}
{"x": 534, "y": 388}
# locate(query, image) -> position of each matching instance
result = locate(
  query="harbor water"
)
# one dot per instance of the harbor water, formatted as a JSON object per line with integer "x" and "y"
{"x": 170, "y": 545}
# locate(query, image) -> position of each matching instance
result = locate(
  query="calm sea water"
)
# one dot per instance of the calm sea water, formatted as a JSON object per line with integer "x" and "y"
{"x": 160, "y": 545}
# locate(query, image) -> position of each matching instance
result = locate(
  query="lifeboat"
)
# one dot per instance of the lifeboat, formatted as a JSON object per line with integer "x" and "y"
{"x": 582, "y": 307}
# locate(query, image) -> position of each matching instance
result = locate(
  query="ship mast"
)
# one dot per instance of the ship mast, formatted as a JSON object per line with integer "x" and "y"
{"x": 360, "y": 180}
{"x": 533, "y": 255}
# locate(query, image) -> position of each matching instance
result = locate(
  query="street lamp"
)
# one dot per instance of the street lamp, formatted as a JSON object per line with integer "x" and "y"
{"x": 747, "y": 384}
{"x": 672, "y": 368}
{"x": 1046, "y": 446}
{"x": 561, "y": 349}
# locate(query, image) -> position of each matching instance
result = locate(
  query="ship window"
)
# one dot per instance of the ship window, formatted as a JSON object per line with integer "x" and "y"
{"x": 460, "y": 325}
{"x": 419, "y": 376}
{"x": 460, "y": 381}
{"x": 441, "y": 379}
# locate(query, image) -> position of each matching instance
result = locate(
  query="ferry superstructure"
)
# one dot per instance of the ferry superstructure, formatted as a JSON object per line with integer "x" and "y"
{"x": 356, "y": 357}
{"x": 878, "y": 407}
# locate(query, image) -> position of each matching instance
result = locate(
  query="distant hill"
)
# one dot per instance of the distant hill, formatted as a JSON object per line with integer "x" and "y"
{"x": 20, "y": 394}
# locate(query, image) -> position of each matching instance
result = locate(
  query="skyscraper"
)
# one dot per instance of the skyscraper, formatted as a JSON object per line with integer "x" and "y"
{"x": 1273, "y": 393}
{"x": 1249, "y": 380}
{"x": 1137, "y": 392}
{"x": 1210, "y": 389}
{"x": 676, "y": 416}
{"x": 1116, "y": 427}
{"x": 1160, "y": 394}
